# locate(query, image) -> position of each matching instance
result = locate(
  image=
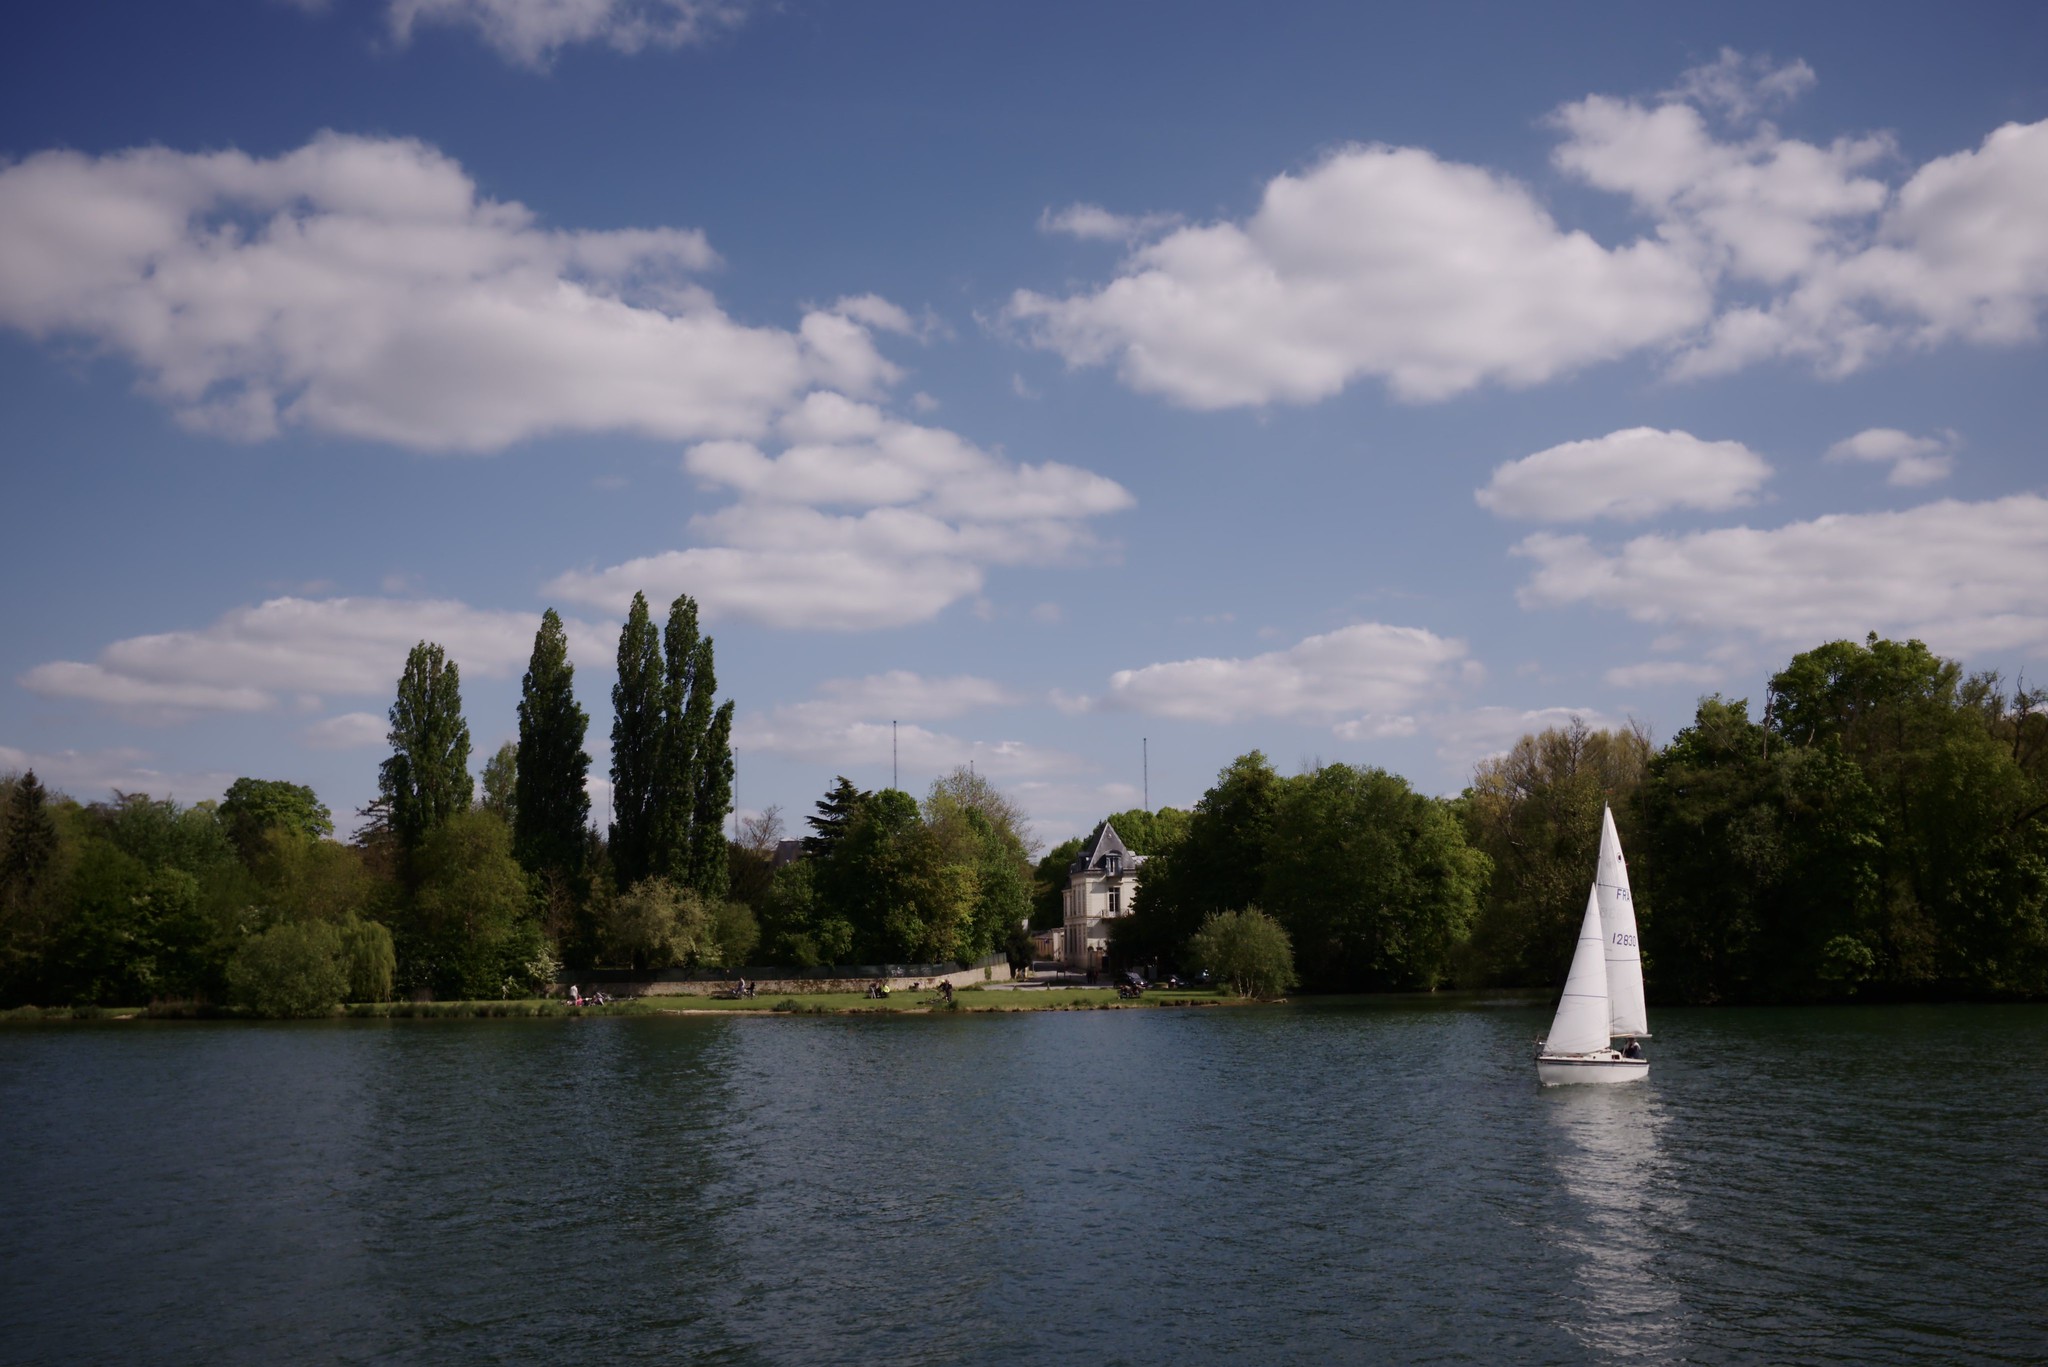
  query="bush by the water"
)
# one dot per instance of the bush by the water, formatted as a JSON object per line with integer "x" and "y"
{"x": 1248, "y": 950}
{"x": 290, "y": 970}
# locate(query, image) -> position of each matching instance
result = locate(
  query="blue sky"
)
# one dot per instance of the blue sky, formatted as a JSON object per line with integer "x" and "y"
{"x": 1348, "y": 385}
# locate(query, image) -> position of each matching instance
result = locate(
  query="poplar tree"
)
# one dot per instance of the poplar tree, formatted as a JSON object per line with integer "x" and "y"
{"x": 636, "y": 744}
{"x": 709, "y": 852}
{"x": 426, "y": 780}
{"x": 551, "y": 806}
{"x": 687, "y": 684}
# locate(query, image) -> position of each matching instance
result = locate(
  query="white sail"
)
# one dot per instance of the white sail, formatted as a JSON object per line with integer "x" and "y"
{"x": 1626, "y": 1012}
{"x": 1580, "y": 1026}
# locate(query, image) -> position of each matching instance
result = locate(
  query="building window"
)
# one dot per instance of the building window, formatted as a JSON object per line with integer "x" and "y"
{"x": 1115, "y": 900}
{"x": 1115, "y": 863}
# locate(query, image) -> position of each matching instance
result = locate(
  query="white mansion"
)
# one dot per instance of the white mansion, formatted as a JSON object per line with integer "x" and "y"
{"x": 1099, "y": 887}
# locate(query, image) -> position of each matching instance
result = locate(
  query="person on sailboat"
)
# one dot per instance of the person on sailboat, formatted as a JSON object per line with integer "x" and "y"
{"x": 1634, "y": 1050}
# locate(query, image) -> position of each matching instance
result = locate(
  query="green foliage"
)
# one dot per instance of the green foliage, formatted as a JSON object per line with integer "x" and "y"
{"x": 979, "y": 829}
{"x": 733, "y": 933}
{"x": 290, "y": 970}
{"x": 254, "y": 807}
{"x": 501, "y": 785}
{"x": 1248, "y": 950}
{"x": 1535, "y": 812}
{"x": 426, "y": 780}
{"x": 796, "y": 927}
{"x": 472, "y": 899}
{"x": 636, "y": 745}
{"x": 836, "y": 811}
{"x": 889, "y": 877}
{"x": 1049, "y": 883}
{"x": 551, "y": 805}
{"x": 1373, "y": 881}
{"x": 671, "y": 754}
{"x": 656, "y": 924}
{"x": 301, "y": 878}
{"x": 369, "y": 960}
{"x": 1219, "y": 865}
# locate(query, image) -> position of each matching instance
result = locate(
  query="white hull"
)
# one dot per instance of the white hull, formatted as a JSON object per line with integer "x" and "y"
{"x": 1556, "y": 1070}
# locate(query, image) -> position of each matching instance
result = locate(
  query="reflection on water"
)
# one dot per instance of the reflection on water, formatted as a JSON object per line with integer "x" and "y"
{"x": 1609, "y": 1158}
{"x": 1374, "y": 1182}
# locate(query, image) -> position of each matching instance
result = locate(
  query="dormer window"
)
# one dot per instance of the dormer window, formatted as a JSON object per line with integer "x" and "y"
{"x": 1114, "y": 863}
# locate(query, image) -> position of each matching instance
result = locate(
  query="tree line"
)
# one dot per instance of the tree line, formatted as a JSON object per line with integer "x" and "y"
{"x": 1880, "y": 832}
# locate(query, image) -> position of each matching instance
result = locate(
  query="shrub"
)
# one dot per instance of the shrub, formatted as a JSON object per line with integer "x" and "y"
{"x": 368, "y": 959}
{"x": 1247, "y": 949}
{"x": 290, "y": 970}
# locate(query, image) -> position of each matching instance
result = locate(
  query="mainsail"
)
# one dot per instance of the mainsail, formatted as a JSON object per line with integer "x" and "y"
{"x": 1627, "y": 1014}
{"x": 1580, "y": 1026}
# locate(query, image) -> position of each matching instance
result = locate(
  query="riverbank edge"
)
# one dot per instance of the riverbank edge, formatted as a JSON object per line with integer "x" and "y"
{"x": 542, "y": 1008}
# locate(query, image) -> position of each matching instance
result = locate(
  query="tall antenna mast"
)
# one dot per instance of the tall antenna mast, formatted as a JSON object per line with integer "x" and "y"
{"x": 1146, "y": 742}
{"x": 895, "y": 778}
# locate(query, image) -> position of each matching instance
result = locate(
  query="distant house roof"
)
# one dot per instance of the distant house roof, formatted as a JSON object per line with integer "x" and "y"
{"x": 1097, "y": 856}
{"x": 786, "y": 852}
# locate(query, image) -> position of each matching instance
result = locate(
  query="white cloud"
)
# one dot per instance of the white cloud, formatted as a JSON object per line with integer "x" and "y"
{"x": 253, "y": 657}
{"x": 1853, "y": 268}
{"x": 934, "y": 511}
{"x": 361, "y": 286}
{"x": 531, "y": 32}
{"x": 1662, "y": 674}
{"x": 1365, "y": 678}
{"x": 349, "y": 731}
{"x": 1093, "y": 223}
{"x": 1436, "y": 277}
{"x": 1964, "y": 577}
{"x": 1376, "y": 261}
{"x": 1627, "y": 475}
{"x": 1049, "y": 613}
{"x": 1914, "y": 460}
{"x": 849, "y": 725}
{"x": 1743, "y": 85}
{"x": 92, "y": 775}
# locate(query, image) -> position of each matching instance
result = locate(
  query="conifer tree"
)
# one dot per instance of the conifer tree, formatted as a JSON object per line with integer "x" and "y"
{"x": 426, "y": 780}
{"x": 28, "y": 841}
{"x": 636, "y": 744}
{"x": 836, "y": 811}
{"x": 551, "y": 806}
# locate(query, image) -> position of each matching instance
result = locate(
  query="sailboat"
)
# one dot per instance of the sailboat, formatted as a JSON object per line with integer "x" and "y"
{"x": 1603, "y": 992}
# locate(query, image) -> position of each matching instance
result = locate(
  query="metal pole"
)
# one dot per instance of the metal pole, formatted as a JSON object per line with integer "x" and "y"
{"x": 895, "y": 777}
{"x": 1146, "y": 742}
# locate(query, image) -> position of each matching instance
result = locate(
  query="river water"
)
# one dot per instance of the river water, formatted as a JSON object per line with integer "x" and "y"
{"x": 1378, "y": 1182}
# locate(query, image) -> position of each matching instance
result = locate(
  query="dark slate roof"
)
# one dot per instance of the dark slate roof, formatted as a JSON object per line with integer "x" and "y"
{"x": 786, "y": 852}
{"x": 1106, "y": 844}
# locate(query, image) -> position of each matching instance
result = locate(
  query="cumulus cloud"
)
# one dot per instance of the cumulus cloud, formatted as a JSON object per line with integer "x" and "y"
{"x": 254, "y": 658}
{"x": 1092, "y": 222}
{"x": 361, "y": 286}
{"x": 1366, "y": 679}
{"x": 1914, "y": 460}
{"x": 859, "y": 520}
{"x": 1852, "y": 268}
{"x": 1964, "y": 577}
{"x": 531, "y": 32}
{"x": 1435, "y": 277}
{"x": 1627, "y": 475}
{"x": 864, "y": 723}
{"x": 1377, "y": 261}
